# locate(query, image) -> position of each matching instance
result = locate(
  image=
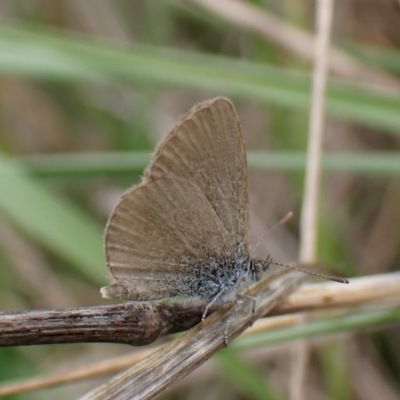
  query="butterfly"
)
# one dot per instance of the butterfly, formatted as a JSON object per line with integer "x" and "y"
{"x": 183, "y": 232}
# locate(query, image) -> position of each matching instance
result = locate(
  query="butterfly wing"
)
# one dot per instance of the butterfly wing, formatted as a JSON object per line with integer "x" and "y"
{"x": 161, "y": 234}
{"x": 207, "y": 149}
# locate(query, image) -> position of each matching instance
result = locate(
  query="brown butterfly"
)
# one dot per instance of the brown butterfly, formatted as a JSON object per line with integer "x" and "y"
{"x": 183, "y": 232}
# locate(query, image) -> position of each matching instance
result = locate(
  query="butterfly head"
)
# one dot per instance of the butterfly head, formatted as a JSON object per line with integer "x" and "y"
{"x": 259, "y": 267}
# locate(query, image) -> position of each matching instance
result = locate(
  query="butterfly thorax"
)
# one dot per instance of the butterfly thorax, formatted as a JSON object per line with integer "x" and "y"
{"x": 217, "y": 276}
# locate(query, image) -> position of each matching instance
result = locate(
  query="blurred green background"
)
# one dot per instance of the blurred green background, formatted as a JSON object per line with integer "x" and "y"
{"x": 86, "y": 90}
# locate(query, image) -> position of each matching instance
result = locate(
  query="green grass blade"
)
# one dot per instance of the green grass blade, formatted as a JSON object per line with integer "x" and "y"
{"x": 354, "y": 321}
{"x": 52, "y": 55}
{"x": 247, "y": 379}
{"x": 50, "y": 220}
{"x": 84, "y": 165}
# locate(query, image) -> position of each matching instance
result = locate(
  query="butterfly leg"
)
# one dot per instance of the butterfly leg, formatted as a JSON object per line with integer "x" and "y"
{"x": 211, "y": 302}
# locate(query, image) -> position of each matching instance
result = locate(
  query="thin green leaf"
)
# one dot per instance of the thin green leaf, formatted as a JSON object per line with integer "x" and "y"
{"x": 247, "y": 379}
{"x": 383, "y": 57}
{"x": 50, "y": 220}
{"x": 98, "y": 164}
{"x": 52, "y": 55}
{"x": 354, "y": 321}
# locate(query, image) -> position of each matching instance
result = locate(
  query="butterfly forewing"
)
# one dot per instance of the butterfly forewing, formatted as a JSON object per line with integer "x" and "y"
{"x": 207, "y": 148}
{"x": 158, "y": 236}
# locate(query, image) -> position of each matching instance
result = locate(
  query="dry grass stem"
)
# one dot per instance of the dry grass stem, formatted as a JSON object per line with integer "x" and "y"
{"x": 310, "y": 207}
{"x": 309, "y": 214}
{"x": 255, "y": 19}
{"x": 372, "y": 290}
{"x": 178, "y": 358}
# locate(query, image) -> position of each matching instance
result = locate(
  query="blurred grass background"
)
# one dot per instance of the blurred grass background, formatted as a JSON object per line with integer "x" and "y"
{"x": 86, "y": 90}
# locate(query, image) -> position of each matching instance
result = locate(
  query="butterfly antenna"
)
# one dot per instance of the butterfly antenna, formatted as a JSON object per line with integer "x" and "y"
{"x": 329, "y": 277}
{"x": 283, "y": 221}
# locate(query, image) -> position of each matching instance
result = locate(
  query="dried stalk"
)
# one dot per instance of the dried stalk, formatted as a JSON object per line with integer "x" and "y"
{"x": 139, "y": 324}
{"x": 178, "y": 358}
{"x": 381, "y": 289}
{"x": 310, "y": 208}
{"x": 255, "y": 19}
{"x": 134, "y": 323}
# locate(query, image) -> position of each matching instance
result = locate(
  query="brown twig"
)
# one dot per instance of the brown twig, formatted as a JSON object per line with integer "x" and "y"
{"x": 134, "y": 323}
{"x": 376, "y": 289}
{"x": 131, "y": 322}
{"x": 178, "y": 358}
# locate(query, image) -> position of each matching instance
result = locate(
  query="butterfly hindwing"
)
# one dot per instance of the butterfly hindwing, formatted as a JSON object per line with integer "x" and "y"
{"x": 159, "y": 235}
